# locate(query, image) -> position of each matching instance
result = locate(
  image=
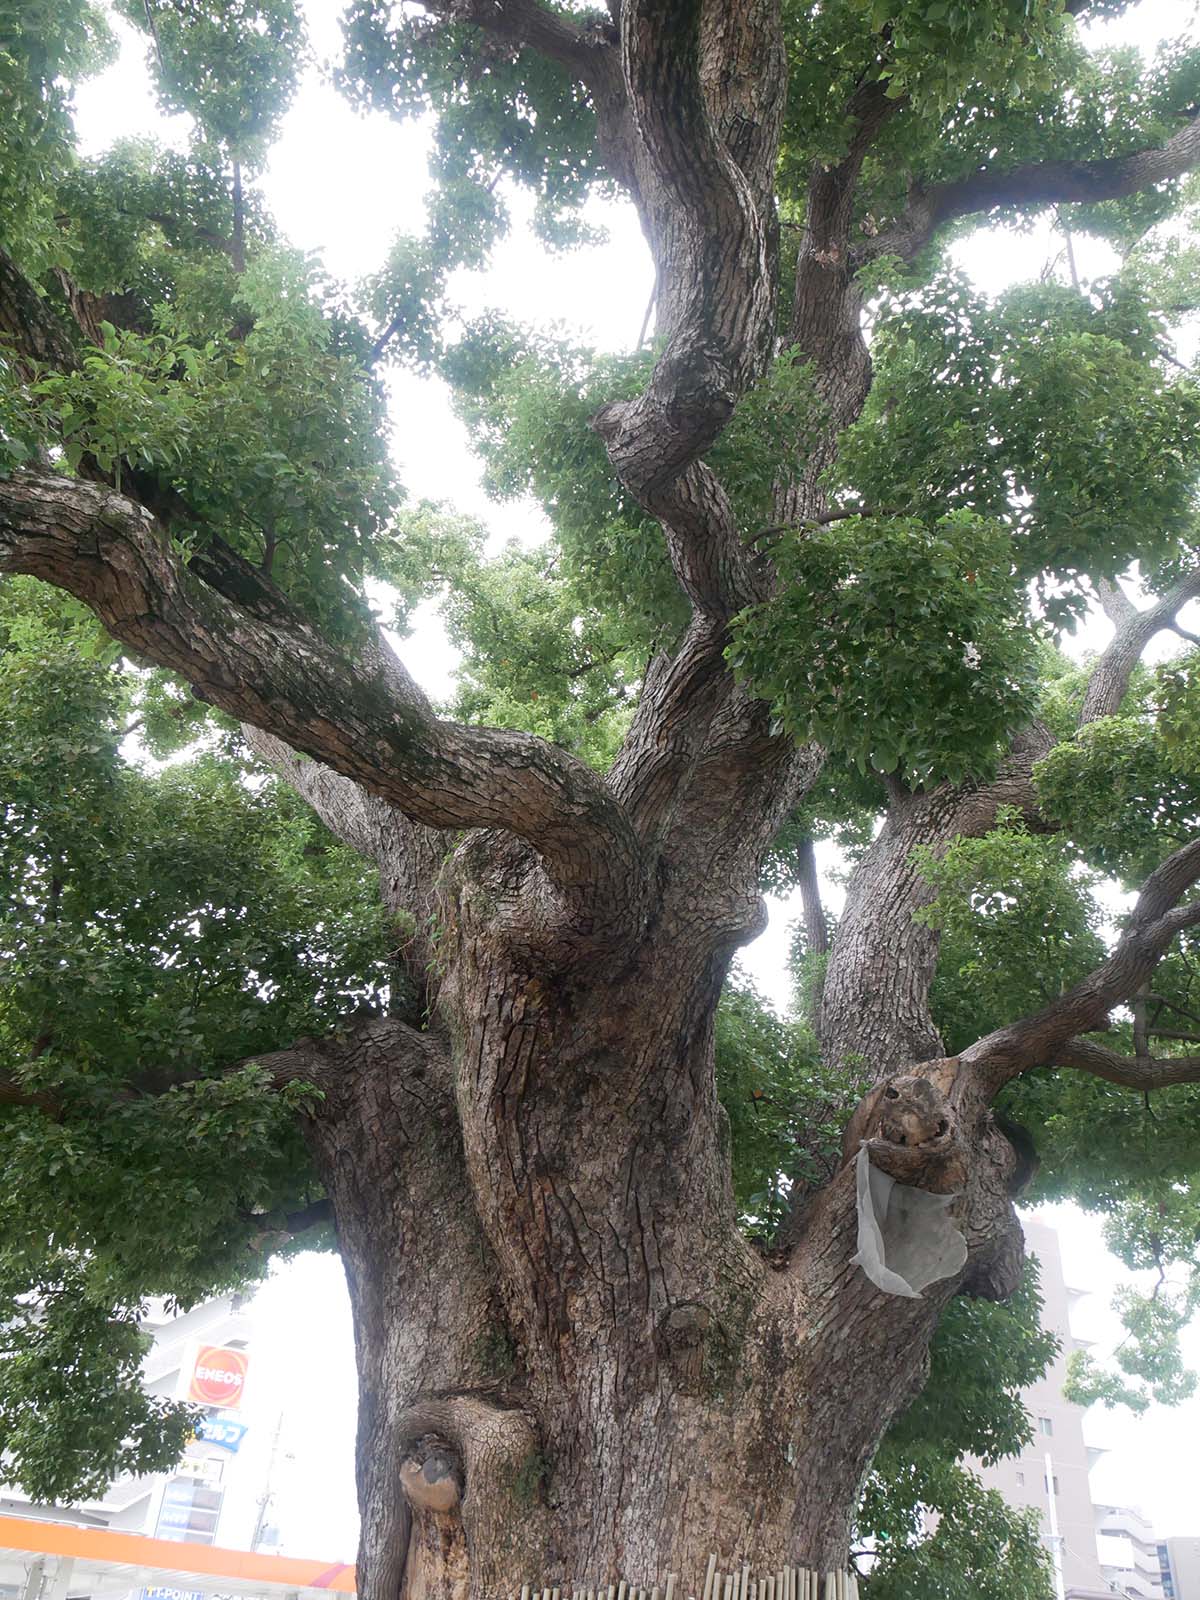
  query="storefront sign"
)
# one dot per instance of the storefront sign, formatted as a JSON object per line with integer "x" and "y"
{"x": 218, "y": 1376}
{"x": 219, "y": 1431}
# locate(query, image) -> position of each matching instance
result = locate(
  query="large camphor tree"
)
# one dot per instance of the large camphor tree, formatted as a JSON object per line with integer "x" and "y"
{"x": 606, "y": 1320}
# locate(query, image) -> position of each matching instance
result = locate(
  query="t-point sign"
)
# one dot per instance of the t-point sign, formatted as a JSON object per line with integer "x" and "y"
{"x": 218, "y": 1376}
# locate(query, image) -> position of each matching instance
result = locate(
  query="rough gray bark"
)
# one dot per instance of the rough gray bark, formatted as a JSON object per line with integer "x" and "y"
{"x": 1132, "y": 631}
{"x": 875, "y": 1004}
{"x": 816, "y": 928}
{"x": 571, "y": 1361}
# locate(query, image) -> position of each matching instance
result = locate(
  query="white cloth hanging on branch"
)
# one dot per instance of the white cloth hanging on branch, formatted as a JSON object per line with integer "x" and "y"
{"x": 906, "y": 1239}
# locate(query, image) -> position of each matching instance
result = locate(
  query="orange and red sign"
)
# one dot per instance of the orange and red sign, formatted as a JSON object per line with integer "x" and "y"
{"x": 218, "y": 1376}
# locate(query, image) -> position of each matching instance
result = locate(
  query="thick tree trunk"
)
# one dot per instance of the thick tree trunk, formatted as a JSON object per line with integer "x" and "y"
{"x": 875, "y": 1003}
{"x": 573, "y": 1366}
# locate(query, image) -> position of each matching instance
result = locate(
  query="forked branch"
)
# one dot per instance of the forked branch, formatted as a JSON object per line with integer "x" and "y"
{"x": 243, "y": 650}
{"x": 1134, "y": 630}
{"x": 1155, "y": 921}
{"x": 1042, "y": 183}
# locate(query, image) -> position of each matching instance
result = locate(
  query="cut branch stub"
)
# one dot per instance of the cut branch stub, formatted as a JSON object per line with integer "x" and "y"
{"x": 431, "y": 1474}
{"x": 912, "y": 1112}
{"x": 911, "y": 1129}
{"x": 908, "y": 1109}
{"x": 465, "y": 1473}
{"x": 681, "y": 1338}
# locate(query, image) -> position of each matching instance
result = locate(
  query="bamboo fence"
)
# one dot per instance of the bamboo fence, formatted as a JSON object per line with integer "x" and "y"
{"x": 785, "y": 1583}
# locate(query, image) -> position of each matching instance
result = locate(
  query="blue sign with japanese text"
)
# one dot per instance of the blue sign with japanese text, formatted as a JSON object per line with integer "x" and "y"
{"x": 228, "y": 1435}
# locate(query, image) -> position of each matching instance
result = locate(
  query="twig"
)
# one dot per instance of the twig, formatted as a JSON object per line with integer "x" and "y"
{"x": 1066, "y": 233}
{"x": 823, "y": 520}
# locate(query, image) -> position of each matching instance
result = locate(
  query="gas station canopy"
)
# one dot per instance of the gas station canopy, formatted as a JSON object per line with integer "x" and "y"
{"x": 56, "y": 1560}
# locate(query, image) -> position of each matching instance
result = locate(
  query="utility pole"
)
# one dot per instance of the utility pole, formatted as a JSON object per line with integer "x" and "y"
{"x": 1055, "y": 1537}
{"x": 265, "y": 1498}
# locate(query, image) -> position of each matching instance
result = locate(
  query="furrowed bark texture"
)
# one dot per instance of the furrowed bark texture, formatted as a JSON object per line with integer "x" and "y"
{"x": 573, "y": 1366}
{"x": 875, "y": 1002}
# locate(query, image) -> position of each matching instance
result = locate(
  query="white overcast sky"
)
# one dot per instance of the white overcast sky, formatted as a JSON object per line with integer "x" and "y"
{"x": 342, "y": 185}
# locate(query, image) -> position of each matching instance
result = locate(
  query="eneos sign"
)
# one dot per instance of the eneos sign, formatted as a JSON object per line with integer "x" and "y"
{"x": 218, "y": 1376}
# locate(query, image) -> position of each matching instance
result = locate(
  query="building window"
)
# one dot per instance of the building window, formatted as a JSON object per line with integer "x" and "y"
{"x": 1020, "y": 1480}
{"x": 1046, "y": 1484}
{"x": 1045, "y": 1425}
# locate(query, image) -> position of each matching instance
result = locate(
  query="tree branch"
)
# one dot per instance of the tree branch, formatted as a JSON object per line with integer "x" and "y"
{"x": 36, "y": 336}
{"x": 1134, "y": 630}
{"x": 816, "y": 928}
{"x": 231, "y": 635}
{"x": 578, "y": 46}
{"x": 409, "y": 856}
{"x": 27, "y": 325}
{"x": 303, "y": 1062}
{"x": 1043, "y": 183}
{"x": 875, "y": 1001}
{"x": 366, "y": 823}
{"x": 14, "y": 1094}
{"x": 826, "y": 322}
{"x": 708, "y": 212}
{"x": 1155, "y": 921}
{"x": 1146, "y": 1072}
{"x": 317, "y": 1214}
{"x": 321, "y": 1061}
{"x": 587, "y": 48}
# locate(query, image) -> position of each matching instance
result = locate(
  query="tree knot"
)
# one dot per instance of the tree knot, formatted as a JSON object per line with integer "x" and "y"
{"x": 432, "y": 1474}
{"x": 913, "y": 1113}
{"x": 681, "y": 1338}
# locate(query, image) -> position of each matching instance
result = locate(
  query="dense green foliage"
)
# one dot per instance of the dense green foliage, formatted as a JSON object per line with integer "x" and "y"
{"x": 893, "y": 613}
{"x": 980, "y": 1548}
{"x": 231, "y": 66}
{"x": 1049, "y": 413}
{"x": 785, "y": 1107}
{"x": 155, "y": 926}
{"x": 166, "y": 912}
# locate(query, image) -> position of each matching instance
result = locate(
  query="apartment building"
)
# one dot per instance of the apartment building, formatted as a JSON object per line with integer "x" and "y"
{"x": 1051, "y": 1476}
{"x": 1179, "y": 1568}
{"x": 1099, "y": 1550}
{"x": 1129, "y": 1553}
